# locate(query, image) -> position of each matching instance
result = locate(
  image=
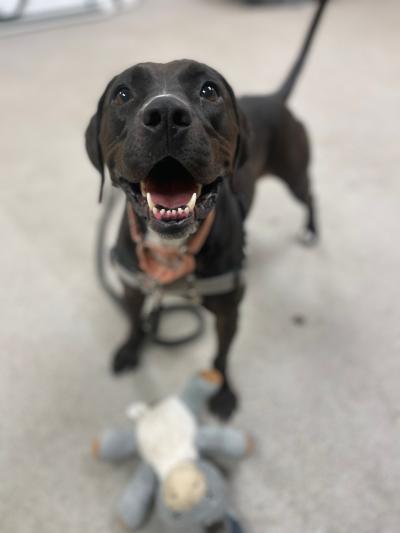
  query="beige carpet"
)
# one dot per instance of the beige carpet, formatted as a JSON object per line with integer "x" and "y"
{"x": 322, "y": 399}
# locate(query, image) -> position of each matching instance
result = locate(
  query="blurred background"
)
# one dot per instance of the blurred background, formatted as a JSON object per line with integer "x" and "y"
{"x": 316, "y": 360}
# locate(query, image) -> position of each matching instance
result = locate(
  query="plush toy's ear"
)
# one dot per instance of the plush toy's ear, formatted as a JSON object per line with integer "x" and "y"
{"x": 241, "y": 153}
{"x": 92, "y": 142}
{"x": 136, "y": 410}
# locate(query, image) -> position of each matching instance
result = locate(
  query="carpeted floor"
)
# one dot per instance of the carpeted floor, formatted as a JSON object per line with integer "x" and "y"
{"x": 322, "y": 398}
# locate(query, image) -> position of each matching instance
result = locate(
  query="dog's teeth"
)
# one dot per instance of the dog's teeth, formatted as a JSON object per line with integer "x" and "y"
{"x": 150, "y": 201}
{"x": 199, "y": 187}
{"x": 187, "y": 211}
{"x": 142, "y": 188}
{"x": 155, "y": 211}
{"x": 173, "y": 213}
{"x": 192, "y": 202}
{"x": 162, "y": 212}
{"x": 180, "y": 211}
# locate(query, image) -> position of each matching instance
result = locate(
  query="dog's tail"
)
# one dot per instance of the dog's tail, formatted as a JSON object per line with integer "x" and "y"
{"x": 289, "y": 83}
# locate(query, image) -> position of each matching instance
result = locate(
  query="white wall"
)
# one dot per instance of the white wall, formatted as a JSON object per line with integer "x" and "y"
{"x": 37, "y": 6}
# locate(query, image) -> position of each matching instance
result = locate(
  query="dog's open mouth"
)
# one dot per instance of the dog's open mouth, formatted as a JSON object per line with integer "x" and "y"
{"x": 171, "y": 194}
{"x": 170, "y": 191}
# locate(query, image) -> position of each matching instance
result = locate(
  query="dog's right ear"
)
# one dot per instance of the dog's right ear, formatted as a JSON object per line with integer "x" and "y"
{"x": 241, "y": 153}
{"x": 92, "y": 140}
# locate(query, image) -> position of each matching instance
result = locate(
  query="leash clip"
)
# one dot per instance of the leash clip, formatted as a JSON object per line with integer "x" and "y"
{"x": 193, "y": 293}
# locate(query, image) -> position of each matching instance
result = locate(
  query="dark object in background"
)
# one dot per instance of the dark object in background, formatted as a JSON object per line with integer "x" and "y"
{"x": 272, "y": 2}
{"x": 299, "y": 320}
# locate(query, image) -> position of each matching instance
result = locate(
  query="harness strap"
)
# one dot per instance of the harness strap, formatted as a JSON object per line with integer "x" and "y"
{"x": 212, "y": 286}
{"x": 166, "y": 264}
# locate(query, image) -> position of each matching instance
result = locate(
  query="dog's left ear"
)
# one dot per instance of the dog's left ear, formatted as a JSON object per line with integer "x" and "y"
{"x": 92, "y": 141}
{"x": 241, "y": 153}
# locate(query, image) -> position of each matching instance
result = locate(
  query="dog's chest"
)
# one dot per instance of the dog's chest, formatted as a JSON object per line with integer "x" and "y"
{"x": 152, "y": 238}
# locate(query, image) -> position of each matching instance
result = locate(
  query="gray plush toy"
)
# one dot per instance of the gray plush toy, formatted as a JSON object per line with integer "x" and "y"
{"x": 177, "y": 472}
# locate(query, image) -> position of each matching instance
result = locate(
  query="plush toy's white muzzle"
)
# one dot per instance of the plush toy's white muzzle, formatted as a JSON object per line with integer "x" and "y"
{"x": 184, "y": 487}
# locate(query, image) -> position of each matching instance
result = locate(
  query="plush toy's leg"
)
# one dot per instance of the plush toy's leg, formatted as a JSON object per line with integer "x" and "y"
{"x": 115, "y": 445}
{"x": 200, "y": 389}
{"x": 135, "y": 503}
{"x": 225, "y": 442}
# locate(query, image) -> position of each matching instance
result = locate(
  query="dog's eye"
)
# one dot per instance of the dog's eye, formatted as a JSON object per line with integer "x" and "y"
{"x": 121, "y": 96}
{"x": 209, "y": 91}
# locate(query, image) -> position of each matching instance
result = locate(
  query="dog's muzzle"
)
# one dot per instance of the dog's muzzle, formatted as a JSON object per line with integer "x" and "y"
{"x": 170, "y": 198}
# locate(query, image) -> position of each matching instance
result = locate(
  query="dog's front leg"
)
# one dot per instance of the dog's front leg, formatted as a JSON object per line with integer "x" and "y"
{"x": 226, "y": 310}
{"x": 127, "y": 356}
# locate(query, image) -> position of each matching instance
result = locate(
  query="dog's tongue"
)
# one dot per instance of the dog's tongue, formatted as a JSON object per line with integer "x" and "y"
{"x": 171, "y": 200}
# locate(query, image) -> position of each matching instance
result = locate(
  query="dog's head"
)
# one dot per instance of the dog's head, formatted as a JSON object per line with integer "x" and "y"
{"x": 168, "y": 134}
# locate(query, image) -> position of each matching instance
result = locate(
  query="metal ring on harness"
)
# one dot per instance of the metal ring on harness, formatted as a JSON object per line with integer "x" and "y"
{"x": 153, "y": 321}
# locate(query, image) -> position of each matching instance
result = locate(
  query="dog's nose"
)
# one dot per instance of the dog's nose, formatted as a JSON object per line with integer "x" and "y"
{"x": 166, "y": 112}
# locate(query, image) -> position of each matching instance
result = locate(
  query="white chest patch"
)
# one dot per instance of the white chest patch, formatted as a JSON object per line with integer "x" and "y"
{"x": 155, "y": 238}
{"x": 166, "y": 435}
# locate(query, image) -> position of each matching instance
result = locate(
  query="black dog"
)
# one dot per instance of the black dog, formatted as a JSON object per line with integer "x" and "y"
{"x": 181, "y": 146}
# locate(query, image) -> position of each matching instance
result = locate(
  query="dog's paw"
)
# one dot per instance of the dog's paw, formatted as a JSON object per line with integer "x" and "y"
{"x": 307, "y": 238}
{"x": 224, "y": 403}
{"x": 127, "y": 357}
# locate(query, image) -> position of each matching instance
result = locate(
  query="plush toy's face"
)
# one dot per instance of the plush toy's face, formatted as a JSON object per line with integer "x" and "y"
{"x": 184, "y": 487}
{"x": 204, "y": 502}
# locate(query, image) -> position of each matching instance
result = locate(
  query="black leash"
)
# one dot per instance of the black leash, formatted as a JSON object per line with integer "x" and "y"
{"x": 152, "y": 322}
